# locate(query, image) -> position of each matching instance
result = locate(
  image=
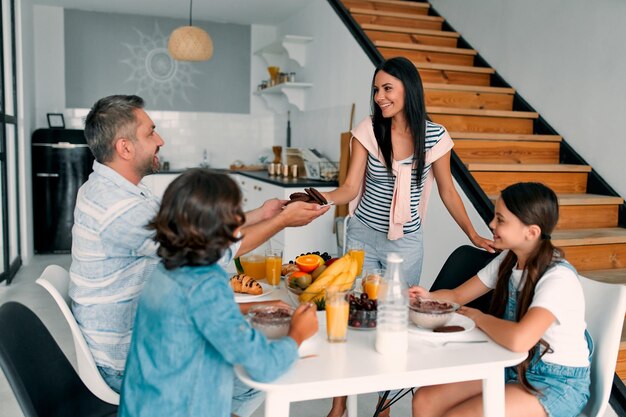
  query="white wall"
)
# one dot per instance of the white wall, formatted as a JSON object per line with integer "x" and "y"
{"x": 567, "y": 58}
{"x": 340, "y": 72}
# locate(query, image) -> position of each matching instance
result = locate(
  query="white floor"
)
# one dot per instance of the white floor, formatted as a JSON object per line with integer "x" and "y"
{"x": 24, "y": 290}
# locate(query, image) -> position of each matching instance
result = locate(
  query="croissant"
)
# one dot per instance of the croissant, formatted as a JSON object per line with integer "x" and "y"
{"x": 245, "y": 284}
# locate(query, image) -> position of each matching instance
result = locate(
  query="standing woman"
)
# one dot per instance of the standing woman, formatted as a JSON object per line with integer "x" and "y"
{"x": 394, "y": 159}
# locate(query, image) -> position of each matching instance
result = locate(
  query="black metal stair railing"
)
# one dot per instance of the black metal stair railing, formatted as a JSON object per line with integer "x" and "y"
{"x": 595, "y": 183}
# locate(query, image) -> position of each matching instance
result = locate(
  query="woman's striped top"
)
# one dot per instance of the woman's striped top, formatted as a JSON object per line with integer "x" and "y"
{"x": 373, "y": 209}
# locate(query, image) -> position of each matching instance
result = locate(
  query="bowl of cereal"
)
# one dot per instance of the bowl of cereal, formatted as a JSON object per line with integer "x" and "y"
{"x": 429, "y": 314}
{"x": 272, "y": 321}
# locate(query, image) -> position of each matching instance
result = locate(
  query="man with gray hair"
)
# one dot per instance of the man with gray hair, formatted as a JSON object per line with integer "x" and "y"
{"x": 112, "y": 251}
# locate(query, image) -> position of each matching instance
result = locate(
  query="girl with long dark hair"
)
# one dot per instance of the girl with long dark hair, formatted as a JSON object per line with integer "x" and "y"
{"x": 538, "y": 306}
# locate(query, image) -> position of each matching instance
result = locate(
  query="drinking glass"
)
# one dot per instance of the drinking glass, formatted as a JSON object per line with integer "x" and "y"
{"x": 273, "y": 265}
{"x": 372, "y": 280}
{"x": 337, "y": 312}
{"x": 356, "y": 250}
{"x": 254, "y": 265}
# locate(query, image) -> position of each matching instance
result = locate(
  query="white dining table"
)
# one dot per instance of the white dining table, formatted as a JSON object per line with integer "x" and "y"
{"x": 327, "y": 370}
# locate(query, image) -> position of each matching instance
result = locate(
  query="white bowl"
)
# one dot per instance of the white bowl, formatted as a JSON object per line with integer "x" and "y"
{"x": 429, "y": 314}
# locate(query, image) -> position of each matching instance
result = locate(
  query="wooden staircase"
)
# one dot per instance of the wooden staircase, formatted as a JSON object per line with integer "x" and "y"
{"x": 498, "y": 145}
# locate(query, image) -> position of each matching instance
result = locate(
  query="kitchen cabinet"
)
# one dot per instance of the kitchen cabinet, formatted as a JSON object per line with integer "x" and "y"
{"x": 280, "y": 53}
{"x": 157, "y": 183}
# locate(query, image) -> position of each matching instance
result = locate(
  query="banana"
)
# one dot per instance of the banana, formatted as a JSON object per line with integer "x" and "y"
{"x": 318, "y": 286}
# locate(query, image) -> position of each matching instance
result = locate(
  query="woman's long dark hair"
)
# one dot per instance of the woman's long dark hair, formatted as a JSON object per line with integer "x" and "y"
{"x": 414, "y": 112}
{"x": 199, "y": 214}
{"x": 533, "y": 204}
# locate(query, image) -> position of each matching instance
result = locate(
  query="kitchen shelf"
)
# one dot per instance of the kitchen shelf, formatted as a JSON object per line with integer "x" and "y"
{"x": 293, "y": 92}
{"x": 292, "y": 45}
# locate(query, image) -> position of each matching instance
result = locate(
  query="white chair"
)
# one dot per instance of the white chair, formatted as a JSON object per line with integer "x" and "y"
{"x": 56, "y": 280}
{"x": 605, "y": 305}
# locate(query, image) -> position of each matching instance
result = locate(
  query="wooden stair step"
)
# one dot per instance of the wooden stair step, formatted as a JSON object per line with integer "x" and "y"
{"x": 411, "y": 38}
{"x": 585, "y": 211}
{"x": 477, "y": 166}
{"x": 593, "y": 256}
{"x": 581, "y": 199}
{"x": 610, "y": 276}
{"x": 388, "y": 6}
{"x": 428, "y": 48}
{"x": 410, "y": 31}
{"x": 483, "y": 113}
{"x": 362, "y": 19}
{"x": 507, "y": 152}
{"x": 484, "y": 124}
{"x": 467, "y": 99}
{"x": 469, "y": 88}
{"x": 399, "y": 15}
{"x": 421, "y": 65}
{"x": 585, "y": 237}
{"x": 492, "y": 182}
{"x": 427, "y": 56}
{"x": 442, "y": 74}
{"x": 504, "y": 136}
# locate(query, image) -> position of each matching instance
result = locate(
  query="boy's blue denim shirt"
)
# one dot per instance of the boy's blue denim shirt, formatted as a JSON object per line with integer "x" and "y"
{"x": 188, "y": 335}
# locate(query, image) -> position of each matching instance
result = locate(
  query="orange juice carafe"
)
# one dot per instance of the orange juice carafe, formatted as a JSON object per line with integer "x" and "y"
{"x": 253, "y": 265}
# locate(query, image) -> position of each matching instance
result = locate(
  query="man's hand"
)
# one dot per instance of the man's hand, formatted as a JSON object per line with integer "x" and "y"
{"x": 301, "y": 214}
{"x": 272, "y": 208}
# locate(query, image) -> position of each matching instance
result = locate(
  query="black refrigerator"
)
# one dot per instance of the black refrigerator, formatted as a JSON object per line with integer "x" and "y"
{"x": 61, "y": 163}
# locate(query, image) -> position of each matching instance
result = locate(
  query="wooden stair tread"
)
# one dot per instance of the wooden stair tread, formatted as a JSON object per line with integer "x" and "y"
{"x": 412, "y": 31}
{"x": 472, "y": 88}
{"x": 449, "y": 67}
{"x": 504, "y": 136}
{"x": 417, "y": 5}
{"x": 582, "y": 199}
{"x": 357, "y": 10}
{"x": 611, "y": 276}
{"x": 477, "y": 166}
{"x": 582, "y": 237}
{"x": 485, "y": 113}
{"x": 429, "y": 48}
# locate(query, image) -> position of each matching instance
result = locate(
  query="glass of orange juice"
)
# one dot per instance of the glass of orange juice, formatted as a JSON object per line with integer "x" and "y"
{"x": 372, "y": 279}
{"x": 337, "y": 311}
{"x": 273, "y": 265}
{"x": 356, "y": 250}
{"x": 253, "y": 264}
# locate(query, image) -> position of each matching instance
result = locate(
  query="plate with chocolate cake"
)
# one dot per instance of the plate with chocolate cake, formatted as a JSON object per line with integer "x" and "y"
{"x": 457, "y": 325}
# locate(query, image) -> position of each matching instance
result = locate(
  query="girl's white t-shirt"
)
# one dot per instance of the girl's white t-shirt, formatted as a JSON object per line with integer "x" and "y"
{"x": 558, "y": 291}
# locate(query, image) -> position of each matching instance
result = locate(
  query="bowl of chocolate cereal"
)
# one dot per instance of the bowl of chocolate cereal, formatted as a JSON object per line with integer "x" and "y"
{"x": 429, "y": 314}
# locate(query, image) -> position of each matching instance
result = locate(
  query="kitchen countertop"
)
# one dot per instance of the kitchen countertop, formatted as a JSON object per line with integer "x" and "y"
{"x": 265, "y": 177}
{"x": 286, "y": 182}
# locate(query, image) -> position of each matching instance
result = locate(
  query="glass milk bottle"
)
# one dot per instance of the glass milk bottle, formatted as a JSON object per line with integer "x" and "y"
{"x": 393, "y": 311}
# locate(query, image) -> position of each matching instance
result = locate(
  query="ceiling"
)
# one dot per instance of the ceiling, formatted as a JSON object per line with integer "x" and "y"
{"x": 264, "y": 12}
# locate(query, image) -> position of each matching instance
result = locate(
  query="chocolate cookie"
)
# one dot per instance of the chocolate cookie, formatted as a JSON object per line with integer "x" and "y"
{"x": 299, "y": 196}
{"x": 448, "y": 329}
{"x": 316, "y": 195}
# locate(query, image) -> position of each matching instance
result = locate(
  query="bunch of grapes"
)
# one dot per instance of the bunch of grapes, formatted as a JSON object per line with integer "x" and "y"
{"x": 363, "y": 311}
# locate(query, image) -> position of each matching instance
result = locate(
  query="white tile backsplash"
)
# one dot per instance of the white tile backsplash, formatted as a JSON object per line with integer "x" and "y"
{"x": 227, "y": 137}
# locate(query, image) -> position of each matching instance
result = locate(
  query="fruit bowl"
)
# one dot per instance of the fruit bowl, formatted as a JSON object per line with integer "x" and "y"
{"x": 294, "y": 292}
{"x": 429, "y": 313}
{"x": 272, "y": 321}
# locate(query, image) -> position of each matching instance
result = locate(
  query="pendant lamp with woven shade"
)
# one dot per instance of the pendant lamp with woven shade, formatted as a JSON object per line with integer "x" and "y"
{"x": 190, "y": 43}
